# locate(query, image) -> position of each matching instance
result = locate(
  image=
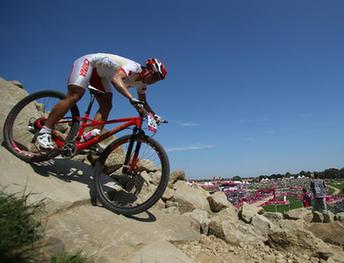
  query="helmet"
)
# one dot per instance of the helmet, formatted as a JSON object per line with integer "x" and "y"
{"x": 158, "y": 67}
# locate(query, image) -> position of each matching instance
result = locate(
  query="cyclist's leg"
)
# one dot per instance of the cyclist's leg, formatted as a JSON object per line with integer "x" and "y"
{"x": 73, "y": 96}
{"x": 77, "y": 82}
{"x": 105, "y": 106}
{"x": 104, "y": 100}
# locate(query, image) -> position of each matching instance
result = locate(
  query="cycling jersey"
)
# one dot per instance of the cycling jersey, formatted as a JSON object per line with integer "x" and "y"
{"x": 98, "y": 70}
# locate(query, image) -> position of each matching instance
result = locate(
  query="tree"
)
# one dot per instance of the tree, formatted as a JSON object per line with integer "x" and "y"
{"x": 236, "y": 178}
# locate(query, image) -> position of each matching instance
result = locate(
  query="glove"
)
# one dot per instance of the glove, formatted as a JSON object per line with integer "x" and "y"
{"x": 158, "y": 119}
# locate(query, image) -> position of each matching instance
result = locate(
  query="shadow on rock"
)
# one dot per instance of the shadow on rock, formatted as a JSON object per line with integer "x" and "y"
{"x": 71, "y": 170}
{"x": 68, "y": 171}
{"x": 141, "y": 218}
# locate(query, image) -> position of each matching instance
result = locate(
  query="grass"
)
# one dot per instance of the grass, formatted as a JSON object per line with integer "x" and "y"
{"x": 21, "y": 227}
{"x": 293, "y": 204}
{"x": 339, "y": 186}
{"x": 70, "y": 258}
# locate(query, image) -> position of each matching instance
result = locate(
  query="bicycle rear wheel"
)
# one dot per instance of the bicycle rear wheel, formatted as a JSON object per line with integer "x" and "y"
{"x": 28, "y": 116}
{"x": 131, "y": 187}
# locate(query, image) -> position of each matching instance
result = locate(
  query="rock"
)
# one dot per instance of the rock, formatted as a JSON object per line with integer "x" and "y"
{"x": 17, "y": 83}
{"x": 331, "y": 233}
{"x": 159, "y": 252}
{"x": 228, "y": 227}
{"x": 317, "y": 217}
{"x": 340, "y": 217}
{"x": 275, "y": 216}
{"x": 147, "y": 166}
{"x": 171, "y": 204}
{"x": 218, "y": 201}
{"x": 172, "y": 210}
{"x": 176, "y": 176}
{"x": 190, "y": 198}
{"x": 262, "y": 225}
{"x": 247, "y": 211}
{"x": 202, "y": 218}
{"x": 11, "y": 94}
{"x": 328, "y": 217}
{"x": 168, "y": 194}
{"x": 299, "y": 213}
{"x": 160, "y": 204}
{"x": 292, "y": 237}
{"x": 93, "y": 229}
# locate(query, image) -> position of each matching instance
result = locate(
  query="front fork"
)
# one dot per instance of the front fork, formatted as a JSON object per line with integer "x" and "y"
{"x": 130, "y": 167}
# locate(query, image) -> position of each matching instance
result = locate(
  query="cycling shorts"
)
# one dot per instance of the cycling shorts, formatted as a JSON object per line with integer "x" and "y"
{"x": 84, "y": 74}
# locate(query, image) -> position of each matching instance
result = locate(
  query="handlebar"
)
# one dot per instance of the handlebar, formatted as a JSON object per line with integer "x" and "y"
{"x": 139, "y": 106}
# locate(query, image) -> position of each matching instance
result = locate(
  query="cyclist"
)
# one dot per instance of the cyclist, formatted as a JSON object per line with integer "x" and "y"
{"x": 102, "y": 71}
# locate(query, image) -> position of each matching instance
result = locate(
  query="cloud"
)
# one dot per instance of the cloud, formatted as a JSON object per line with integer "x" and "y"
{"x": 188, "y": 124}
{"x": 190, "y": 148}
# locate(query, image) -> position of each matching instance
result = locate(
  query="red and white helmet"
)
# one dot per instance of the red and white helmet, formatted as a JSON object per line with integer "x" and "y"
{"x": 158, "y": 67}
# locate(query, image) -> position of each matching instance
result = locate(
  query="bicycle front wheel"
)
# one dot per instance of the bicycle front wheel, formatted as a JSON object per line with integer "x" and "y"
{"x": 131, "y": 174}
{"x": 28, "y": 116}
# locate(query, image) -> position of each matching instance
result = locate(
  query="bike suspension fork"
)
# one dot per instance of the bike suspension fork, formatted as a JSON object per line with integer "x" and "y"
{"x": 130, "y": 166}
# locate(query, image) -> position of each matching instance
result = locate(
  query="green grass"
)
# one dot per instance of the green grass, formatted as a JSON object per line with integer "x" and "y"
{"x": 339, "y": 186}
{"x": 20, "y": 227}
{"x": 71, "y": 258}
{"x": 293, "y": 204}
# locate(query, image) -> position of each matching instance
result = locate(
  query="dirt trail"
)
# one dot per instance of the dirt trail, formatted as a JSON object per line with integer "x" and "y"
{"x": 336, "y": 190}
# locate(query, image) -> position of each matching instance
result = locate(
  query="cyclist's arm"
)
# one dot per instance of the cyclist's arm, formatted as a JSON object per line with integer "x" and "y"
{"x": 142, "y": 97}
{"x": 117, "y": 81}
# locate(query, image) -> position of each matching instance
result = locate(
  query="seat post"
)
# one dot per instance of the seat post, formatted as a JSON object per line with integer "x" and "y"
{"x": 90, "y": 104}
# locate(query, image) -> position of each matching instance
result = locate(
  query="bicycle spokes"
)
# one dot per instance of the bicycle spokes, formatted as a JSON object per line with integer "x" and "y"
{"x": 130, "y": 179}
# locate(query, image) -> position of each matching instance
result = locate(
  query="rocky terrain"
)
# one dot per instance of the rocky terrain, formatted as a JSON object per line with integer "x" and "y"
{"x": 187, "y": 225}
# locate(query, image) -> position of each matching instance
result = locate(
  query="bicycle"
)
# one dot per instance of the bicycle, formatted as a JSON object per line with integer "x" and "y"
{"x": 131, "y": 173}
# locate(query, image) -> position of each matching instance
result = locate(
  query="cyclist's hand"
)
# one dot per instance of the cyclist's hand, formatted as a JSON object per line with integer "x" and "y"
{"x": 158, "y": 119}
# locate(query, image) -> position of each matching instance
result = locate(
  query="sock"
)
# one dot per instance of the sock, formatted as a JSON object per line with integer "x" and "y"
{"x": 45, "y": 129}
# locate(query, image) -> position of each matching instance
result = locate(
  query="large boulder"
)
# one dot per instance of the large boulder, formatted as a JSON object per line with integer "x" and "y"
{"x": 176, "y": 176}
{"x": 331, "y": 233}
{"x": 190, "y": 197}
{"x": 228, "y": 227}
{"x": 247, "y": 211}
{"x": 11, "y": 94}
{"x": 299, "y": 213}
{"x": 274, "y": 216}
{"x": 317, "y": 217}
{"x": 218, "y": 201}
{"x": 117, "y": 238}
{"x": 328, "y": 217}
{"x": 293, "y": 237}
{"x": 262, "y": 225}
{"x": 202, "y": 218}
{"x": 168, "y": 194}
{"x": 159, "y": 252}
{"x": 340, "y": 217}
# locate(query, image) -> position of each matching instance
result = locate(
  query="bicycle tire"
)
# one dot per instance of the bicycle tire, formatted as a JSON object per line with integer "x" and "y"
{"x": 158, "y": 192}
{"x": 10, "y": 142}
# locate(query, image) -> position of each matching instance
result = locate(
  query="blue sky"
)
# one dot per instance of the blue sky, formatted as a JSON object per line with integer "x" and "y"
{"x": 253, "y": 87}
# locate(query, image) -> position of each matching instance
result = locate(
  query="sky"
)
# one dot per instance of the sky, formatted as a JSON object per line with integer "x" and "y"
{"x": 254, "y": 87}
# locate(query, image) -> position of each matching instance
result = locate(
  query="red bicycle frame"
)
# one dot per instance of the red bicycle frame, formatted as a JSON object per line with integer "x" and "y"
{"x": 87, "y": 122}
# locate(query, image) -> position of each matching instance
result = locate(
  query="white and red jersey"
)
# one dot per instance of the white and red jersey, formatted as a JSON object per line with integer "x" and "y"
{"x": 98, "y": 70}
